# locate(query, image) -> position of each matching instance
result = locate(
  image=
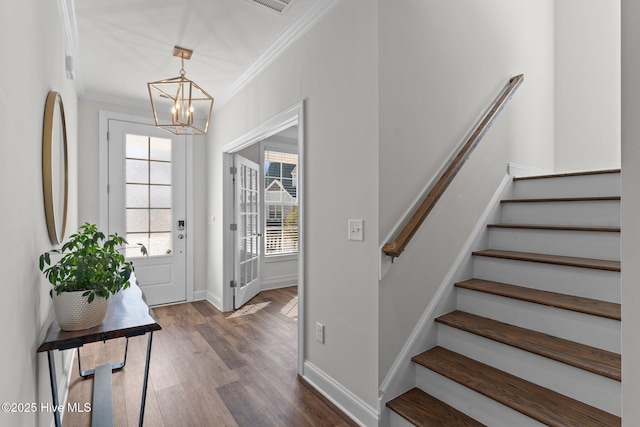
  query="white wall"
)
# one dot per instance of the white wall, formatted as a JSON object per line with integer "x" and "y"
{"x": 630, "y": 212}
{"x": 89, "y": 168}
{"x": 441, "y": 64}
{"x": 333, "y": 68}
{"x": 587, "y": 84}
{"x": 32, "y": 42}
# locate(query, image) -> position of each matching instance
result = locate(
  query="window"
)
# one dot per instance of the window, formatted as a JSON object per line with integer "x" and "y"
{"x": 148, "y": 194}
{"x": 281, "y": 203}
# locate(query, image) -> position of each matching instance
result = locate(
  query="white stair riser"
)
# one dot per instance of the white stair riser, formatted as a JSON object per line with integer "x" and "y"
{"x": 475, "y": 405}
{"x": 570, "y": 186}
{"x": 587, "y": 244}
{"x": 592, "y": 389}
{"x": 584, "y": 282}
{"x": 587, "y": 213}
{"x": 398, "y": 421}
{"x": 579, "y": 327}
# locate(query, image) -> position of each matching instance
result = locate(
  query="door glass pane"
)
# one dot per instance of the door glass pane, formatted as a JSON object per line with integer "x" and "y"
{"x": 137, "y": 171}
{"x": 137, "y": 196}
{"x": 160, "y": 220}
{"x": 160, "y": 196}
{"x": 137, "y": 220}
{"x": 137, "y": 147}
{"x": 160, "y": 149}
{"x": 160, "y": 172}
{"x": 148, "y": 195}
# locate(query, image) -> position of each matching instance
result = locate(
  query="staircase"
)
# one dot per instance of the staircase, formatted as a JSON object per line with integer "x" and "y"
{"x": 535, "y": 339}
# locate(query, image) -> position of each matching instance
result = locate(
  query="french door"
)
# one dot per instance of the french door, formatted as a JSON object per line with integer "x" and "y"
{"x": 248, "y": 244}
{"x": 147, "y": 205}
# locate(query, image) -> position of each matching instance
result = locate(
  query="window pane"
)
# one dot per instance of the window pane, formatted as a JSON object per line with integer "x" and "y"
{"x": 137, "y": 146}
{"x": 135, "y": 239}
{"x": 160, "y": 149}
{"x": 159, "y": 244}
{"x": 137, "y": 171}
{"x": 137, "y": 196}
{"x": 137, "y": 220}
{"x": 160, "y": 196}
{"x": 160, "y": 173}
{"x": 280, "y": 198}
{"x": 160, "y": 220}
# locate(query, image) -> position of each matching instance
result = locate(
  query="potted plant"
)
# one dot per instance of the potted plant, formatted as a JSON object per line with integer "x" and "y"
{"x": 91, "y": 269}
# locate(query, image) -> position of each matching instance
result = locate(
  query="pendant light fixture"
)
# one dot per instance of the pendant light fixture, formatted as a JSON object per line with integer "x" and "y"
{"x": 179, "y": 105}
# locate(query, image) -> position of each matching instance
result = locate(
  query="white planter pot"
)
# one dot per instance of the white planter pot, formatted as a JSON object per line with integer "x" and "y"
{"x": 74, "y": 313}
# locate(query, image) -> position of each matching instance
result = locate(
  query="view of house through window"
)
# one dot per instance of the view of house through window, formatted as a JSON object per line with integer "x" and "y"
{"x": 281, "y": 203}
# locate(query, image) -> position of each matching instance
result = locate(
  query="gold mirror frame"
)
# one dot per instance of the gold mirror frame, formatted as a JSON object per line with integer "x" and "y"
{"x": 55, "y": 167}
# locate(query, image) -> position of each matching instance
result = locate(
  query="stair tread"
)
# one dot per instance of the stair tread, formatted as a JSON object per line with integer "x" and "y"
{"x": 594, "y": 307}
{"x": 556, "y": 227}
{"x": 424, "y": 410}
{"x": 597, "y": 264}
{"x": 595, "y": 360}
{"x": 566, "y": 174}
{"x": 563, "y": 199}
{"x": 539, "y": 403}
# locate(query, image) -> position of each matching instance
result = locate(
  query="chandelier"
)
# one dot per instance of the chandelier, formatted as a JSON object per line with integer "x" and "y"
{"x": 179, "y": 105}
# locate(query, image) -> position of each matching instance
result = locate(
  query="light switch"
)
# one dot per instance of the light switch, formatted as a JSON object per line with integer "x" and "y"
{"x": 356, "y": 229}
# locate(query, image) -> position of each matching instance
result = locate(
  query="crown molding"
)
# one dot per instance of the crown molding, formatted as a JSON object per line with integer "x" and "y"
{"x": 303, "y": 24}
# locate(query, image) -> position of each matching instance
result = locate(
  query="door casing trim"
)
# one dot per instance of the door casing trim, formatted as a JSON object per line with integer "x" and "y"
{"x": 292, "y": 116}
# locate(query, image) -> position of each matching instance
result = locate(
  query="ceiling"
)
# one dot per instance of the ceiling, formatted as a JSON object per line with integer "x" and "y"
{"x": 120, "y": 45}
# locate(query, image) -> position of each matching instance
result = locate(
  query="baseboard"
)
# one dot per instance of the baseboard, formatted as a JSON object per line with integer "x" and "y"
{"x": 395, "y": 381}
{"x": 522, "y": 170}
{"x": 359, "y": 411}
{"x": 279, "y": 282}
{"x": 208, "y": 296}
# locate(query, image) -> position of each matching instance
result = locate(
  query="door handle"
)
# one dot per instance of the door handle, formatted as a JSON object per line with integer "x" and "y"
{"x": 180, "y": 236}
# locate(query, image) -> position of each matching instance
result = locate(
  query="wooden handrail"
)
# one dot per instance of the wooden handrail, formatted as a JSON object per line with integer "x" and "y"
{"x": 446, "y": 176}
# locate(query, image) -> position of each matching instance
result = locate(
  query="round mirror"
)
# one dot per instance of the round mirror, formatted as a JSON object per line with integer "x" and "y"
{"x": 54, "y": 167}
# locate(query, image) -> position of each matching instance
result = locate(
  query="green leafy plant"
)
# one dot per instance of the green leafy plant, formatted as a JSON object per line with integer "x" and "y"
{"x": 90, "y": 262}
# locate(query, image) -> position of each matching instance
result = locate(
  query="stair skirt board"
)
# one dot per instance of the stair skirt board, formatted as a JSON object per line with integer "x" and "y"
{"x": 401, "y": 370}
{"x": 579, "y": 327}
{"x": 584, "y": 282}
{"x": 592, "y": 389}
{"x": 587, "y": 244}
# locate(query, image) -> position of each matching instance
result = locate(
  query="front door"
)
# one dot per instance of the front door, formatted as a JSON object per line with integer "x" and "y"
{"x": 247, "y": 217}
{"x": 147, "y": 204}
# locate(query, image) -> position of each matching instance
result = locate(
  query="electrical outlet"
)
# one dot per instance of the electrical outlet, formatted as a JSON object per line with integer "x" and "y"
{"x": 320, "y": 332}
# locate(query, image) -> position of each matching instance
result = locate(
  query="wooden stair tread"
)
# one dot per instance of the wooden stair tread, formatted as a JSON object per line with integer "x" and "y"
{"x": 581, "y": 356}
{"x": 423, "y": 410}
{"x": 534, "y": 401}
{"x": 566, "y": 174}
{"x": 594, "y": 307}
{"x": 563, "y": 199}
{"x": 556, "y": 227}
{"x": 597, "y": 264}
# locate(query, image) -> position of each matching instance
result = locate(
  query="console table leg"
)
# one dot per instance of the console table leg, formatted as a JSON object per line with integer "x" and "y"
{"x": 54, "y": 388}
{"x": 146, "y": 378}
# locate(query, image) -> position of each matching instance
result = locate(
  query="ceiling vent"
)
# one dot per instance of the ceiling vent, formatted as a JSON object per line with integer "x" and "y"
{"x": 279, "y": 6}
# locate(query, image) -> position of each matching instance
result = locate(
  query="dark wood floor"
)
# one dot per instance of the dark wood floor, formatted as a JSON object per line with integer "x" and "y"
{"x": 213, "y": 369}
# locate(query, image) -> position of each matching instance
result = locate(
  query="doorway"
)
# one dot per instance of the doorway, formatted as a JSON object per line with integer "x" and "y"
{"x": 289, "y": 122}
{"x": 144, "y": 171}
